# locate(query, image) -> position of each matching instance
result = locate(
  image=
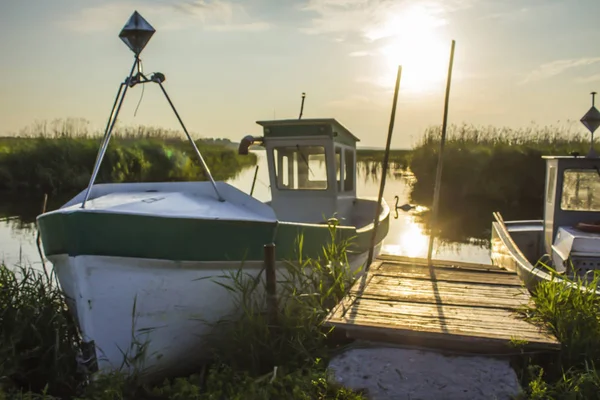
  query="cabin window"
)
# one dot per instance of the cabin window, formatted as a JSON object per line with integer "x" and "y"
{"x": 338, "y": 167}
{"x": 581, "y": 190}
{"x": 349, "y": 170}
{"x": 285, "y": 166}
{"x": 300, "y": 167}
{"x": 551, "y": 184}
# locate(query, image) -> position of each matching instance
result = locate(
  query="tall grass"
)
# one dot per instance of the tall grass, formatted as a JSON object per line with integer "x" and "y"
{"x": 254, "y": 357}
{"x": 61, "y": 161}
{"x": 39, "y": 342}
{"x": 307, "y": 290}
{"x": 488, "y": 169}
{"x": 570, "y": 309}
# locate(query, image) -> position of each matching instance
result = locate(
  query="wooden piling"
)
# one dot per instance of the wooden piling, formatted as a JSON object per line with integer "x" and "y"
{"x": 271, "y": 282}
{"x": 438, "y": 173}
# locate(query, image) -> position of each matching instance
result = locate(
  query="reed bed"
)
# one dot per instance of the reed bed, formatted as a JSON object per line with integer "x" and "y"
{"x": 488, "y": 169}
{"x": 254, "y": 358}
{"x": 59, "y": 159}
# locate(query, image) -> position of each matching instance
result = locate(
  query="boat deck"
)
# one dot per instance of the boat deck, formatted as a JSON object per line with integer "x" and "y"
{"x": 453, "y": 306}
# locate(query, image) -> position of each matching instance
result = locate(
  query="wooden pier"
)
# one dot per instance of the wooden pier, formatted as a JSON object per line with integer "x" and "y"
{"x": 453, "y": 306}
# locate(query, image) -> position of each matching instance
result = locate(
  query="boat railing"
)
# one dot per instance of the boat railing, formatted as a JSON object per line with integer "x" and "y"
{"x": 519, "y": 256}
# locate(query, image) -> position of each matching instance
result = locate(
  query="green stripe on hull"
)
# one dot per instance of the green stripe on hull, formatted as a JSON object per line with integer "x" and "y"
{"x": 122, "y": 235}
{"x": 141, "y": 236}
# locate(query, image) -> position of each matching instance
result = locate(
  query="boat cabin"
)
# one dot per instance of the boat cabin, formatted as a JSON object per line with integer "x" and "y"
{"x": 312, "y": 168}
{"x": 572, "y": 212}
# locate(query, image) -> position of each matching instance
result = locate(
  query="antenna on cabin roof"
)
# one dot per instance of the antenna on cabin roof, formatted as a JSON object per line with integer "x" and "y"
{"x": 591, "y": 120}
{"x": 302, "y": 105}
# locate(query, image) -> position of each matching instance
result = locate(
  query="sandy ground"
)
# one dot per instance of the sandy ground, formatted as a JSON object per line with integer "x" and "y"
{"x": 396, "y": 373}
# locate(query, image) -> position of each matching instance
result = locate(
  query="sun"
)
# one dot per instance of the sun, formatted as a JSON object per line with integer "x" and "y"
{"x": 412, "y": 39}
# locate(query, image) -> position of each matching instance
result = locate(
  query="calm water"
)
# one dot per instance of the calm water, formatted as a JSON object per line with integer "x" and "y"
{"x": 406, "y": 237}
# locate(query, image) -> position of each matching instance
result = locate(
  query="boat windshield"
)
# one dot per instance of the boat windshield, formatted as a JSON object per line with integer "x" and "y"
{"x": 581, "y": 190}
{"x": 300, "y": 167}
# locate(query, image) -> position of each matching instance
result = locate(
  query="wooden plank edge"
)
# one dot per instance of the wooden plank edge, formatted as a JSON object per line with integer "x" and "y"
{"x": 442, "y": 263}
{"x": 375, "y": 297}
{"x": 374, "y": 265}
{"x": 471, "y": 344}
{"x": 363, "y": 281}
{"x": 517, "y": 282}
{"x": 449, "y": 268}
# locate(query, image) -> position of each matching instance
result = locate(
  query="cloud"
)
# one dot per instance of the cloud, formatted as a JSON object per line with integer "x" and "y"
{"x": 588, "y": 79}
{"x": 370, "y": 18}
{"x": 227, "y": 16}
{"x": 351, "y": 102}
{"x": 207, "y": 10}
{"x": 509, "y": 15}
{"x": 557, "y": 67}
{"x": 360, "y": 54}
{"x": 247, "y": 27}
{"x": 216, "y": 15}
{"x": 519, "y": 11}
{"x": 339, "y": 16}
{"x": 100, "y": 18}
{"x": 376, "y": 100}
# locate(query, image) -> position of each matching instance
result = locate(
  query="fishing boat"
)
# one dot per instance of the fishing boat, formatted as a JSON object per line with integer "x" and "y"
{"x": 142, "y": 262}
{"x": 566, "y": 242}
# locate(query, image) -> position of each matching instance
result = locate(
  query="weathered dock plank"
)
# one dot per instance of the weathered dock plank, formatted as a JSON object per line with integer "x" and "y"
{"x": 457, "y": 306}
{"x": 416, "y": 272}
{"x": 388, "y": 258}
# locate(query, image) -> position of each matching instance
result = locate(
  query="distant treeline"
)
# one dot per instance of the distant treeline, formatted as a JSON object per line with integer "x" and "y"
{"x": 370, "y": 161}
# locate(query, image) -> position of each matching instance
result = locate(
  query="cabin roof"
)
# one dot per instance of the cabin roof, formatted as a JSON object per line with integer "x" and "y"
{"x": 308, "y": 127}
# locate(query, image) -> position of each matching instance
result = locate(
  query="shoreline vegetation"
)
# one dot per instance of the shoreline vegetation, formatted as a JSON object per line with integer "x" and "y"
{"x": 503, "y": 169}
{"x": 58, "y": 158}
{"x": 254, "y": 358}
{"x": 486, "y": 169}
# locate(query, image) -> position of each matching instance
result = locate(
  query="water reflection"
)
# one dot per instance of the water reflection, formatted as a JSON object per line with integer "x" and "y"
{"x": 462, "y": 235}
{"x": 409, "y": 241}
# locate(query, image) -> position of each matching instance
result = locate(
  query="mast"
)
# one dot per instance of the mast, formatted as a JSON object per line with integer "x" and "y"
{"x": 136, "y": 34}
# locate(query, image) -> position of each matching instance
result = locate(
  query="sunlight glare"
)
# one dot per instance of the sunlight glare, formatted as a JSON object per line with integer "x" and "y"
{"x": 410, "y": 242}
{"x": 412, "y": 40}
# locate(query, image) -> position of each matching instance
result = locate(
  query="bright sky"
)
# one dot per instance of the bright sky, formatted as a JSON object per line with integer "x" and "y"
{"x": 229, "y": 63}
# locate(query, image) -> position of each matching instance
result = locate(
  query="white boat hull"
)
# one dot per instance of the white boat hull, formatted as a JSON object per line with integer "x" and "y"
{"x": 165, "y": 307}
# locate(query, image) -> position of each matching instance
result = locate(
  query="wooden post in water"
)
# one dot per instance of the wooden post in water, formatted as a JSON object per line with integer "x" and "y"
{"x": 271, "y": 283}
{"x": 438, "y": 175}
{"x": 384, "y": 168}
